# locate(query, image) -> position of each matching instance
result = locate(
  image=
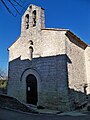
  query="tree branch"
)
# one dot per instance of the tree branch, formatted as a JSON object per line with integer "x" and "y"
{"x": 14, "y": 7}
{"x": 7, "y": 7}
{"x": 18, "y": 3}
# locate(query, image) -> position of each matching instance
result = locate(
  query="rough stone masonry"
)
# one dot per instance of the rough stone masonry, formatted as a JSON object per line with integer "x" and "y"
{"x": 48, "y": 67}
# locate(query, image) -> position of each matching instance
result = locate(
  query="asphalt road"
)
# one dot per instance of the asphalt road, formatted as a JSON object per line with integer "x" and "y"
{"x": 13, "y": 115}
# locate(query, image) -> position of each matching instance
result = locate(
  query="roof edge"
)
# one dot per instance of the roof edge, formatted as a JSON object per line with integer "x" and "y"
{"x": 55, "y": 29}
{"x": 77, "y": 38}
{"x": 13, "y": 43}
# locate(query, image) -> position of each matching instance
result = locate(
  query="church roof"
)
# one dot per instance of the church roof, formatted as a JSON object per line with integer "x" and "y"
{"x": 55, "y": 29}
{"x": 69, "y": 33}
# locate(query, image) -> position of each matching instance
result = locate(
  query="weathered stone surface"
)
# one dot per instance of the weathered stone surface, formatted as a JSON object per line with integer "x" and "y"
{"x": 87, "y": 61}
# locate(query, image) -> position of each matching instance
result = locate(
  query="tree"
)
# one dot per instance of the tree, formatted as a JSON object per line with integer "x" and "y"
{"x": 15, "y": 7}
{"x": 3, "y": 74}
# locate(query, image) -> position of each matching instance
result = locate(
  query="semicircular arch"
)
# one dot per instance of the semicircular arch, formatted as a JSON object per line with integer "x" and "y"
{"x": 24, "y": 75}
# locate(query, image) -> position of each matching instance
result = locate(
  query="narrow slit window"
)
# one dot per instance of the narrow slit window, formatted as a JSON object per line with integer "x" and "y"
{"x": 31, "y": 52}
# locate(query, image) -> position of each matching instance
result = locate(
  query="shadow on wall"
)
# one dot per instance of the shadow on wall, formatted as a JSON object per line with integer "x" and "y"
{"x": 78, "y": 99}
{"x": 41, "y": 63}
{"x": 47, "y": 65}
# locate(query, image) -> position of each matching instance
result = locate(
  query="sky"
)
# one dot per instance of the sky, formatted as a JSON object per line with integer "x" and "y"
{"x": 68, "y": 14}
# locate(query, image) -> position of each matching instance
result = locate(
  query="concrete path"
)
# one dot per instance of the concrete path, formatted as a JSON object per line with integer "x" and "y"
{"x": 6, "y": 114}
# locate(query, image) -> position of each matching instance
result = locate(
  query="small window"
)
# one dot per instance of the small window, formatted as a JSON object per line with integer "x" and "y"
{"x": 31, "y": 7}
{"x": 27, "y": 21}
{"x": 31, "y": 52}
{"x": 31, "y": 42}
{"x": 34, "y": 18}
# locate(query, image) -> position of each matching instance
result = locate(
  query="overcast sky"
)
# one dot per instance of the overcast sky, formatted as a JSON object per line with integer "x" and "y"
{"x": 69, "y": 14}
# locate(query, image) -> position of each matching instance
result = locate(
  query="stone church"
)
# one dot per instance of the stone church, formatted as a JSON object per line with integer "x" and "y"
{"x": 48, "y": 67}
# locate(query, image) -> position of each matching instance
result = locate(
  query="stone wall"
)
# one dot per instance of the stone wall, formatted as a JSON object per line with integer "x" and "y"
{"x": 52, "y": 83}
{"x": 76, "y": 70}
{"x": 53, "y": 42}
{"x": 87, "y": 62}
{"x": 45, "y": 43}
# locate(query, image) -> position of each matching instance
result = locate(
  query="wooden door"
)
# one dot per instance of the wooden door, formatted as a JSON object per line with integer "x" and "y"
{"x": 31, "y": 89}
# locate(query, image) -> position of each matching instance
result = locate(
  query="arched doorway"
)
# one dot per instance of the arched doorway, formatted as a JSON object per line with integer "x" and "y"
{"x": 31, "y": 89}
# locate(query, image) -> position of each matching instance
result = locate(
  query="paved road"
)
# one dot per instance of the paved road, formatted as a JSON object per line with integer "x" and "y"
{"x": 13, "y": 115}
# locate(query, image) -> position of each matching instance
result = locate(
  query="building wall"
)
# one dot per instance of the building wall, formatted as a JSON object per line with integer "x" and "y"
{"x": 45, "y": 43}
{"x": 76, "y": 70}
{"x": 52, "y": 83}
{"x": 53, "y": 42}
{"x": 87, "y": 62}
{"x": 50, "y": 66}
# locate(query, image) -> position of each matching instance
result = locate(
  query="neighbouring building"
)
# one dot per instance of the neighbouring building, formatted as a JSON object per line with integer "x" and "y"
{"x": 47, "y": 66}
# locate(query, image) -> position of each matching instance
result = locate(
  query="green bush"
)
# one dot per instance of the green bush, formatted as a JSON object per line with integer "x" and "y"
{"x": 3, "y": 83}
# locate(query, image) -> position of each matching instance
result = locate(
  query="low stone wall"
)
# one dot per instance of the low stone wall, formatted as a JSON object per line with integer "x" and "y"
{"x": 13, "y": 103}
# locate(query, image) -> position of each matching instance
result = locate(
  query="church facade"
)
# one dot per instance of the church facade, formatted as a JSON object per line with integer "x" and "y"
{"x": 48, "y": 67}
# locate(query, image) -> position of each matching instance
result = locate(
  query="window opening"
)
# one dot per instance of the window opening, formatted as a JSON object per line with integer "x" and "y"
{"x": 31, "y": 52}
{"x": 31, "y": 42}
{"x": 34, "y": 18}
{"x": 27, "y": 21}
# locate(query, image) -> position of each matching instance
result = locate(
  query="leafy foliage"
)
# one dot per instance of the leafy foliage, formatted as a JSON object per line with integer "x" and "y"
{"x": 3, "y": 84}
